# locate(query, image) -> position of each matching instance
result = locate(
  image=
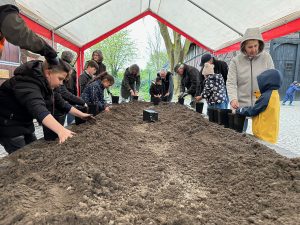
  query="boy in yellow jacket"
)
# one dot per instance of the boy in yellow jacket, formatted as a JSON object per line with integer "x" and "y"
{"x": 265, "y": 112}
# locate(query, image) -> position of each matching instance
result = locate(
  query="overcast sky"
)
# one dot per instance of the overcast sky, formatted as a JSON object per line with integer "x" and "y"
{"x": 139, "y": 32}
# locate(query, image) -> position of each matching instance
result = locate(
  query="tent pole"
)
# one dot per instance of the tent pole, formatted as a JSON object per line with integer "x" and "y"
{"x": 227, "y": 25}
{"x": 52, "y": 37}
{"x": 79, "y": 66}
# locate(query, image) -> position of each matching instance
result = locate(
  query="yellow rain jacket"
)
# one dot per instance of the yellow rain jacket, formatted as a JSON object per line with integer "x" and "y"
{"x": 265, "y": 112}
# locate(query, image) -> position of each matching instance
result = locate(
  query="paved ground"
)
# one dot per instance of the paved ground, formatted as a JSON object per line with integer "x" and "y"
{"x": 289, "y": 138}
{"x": 289, "y": 133}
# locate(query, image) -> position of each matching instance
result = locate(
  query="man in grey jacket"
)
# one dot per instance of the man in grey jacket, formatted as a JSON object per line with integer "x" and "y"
{"x": 242, "y": 84}
{"x": 15, "y": 31}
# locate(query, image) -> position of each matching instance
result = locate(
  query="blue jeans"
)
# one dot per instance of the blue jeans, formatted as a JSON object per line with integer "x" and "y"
{"x": 70, "y": 118}
{"x": 227, "y": 99}
{"x": 218, "y": 105}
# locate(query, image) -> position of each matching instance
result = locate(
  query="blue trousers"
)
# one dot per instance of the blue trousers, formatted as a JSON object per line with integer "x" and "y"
{"x": 217, "y": 106}
{"x": 288, "y": 97}
{"x": 70, "y": 118}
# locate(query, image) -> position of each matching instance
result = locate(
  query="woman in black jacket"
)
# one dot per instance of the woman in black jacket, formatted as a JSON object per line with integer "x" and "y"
{"x": 131, "y": 82}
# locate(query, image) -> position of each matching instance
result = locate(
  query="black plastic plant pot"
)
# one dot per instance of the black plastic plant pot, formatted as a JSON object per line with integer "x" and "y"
{"x": 115, "y": 99}
{"x": 77, "y": 119}
{"x": 156, "y": 101}
{"x": 239, "y": 121}
{"x": 199, "y": 107}
{"x": 181, "y": 101}
{"x": 135, "y": 98}
{"x": 210, "y": 113}
{"x": 164, "y": 99}
{"x": 50, "y": 135}
{"x": 231, "y": 120}
{"x": 223, "y": 117}
{"x": 93, "y": 109}
{"x": 215, "y": 115}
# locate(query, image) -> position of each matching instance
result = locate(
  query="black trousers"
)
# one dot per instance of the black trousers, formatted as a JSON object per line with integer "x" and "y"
{"x": 13, "y": 144}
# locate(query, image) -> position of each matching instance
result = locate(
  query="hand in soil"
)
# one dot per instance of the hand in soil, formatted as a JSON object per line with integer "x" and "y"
{"x": 89, "y": 117}
{"x": 64, "y": 135}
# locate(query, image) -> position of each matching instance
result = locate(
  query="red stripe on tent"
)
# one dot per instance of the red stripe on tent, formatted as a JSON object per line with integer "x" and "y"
{"x": 41, "y": 30}
{"x": 276, "y": 32}
{"x": 115, "y": 30}
{"x": 179, "y": 31}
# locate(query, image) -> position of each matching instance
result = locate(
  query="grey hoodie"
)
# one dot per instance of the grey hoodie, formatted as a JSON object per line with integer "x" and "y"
{"x": 243, "y": 71}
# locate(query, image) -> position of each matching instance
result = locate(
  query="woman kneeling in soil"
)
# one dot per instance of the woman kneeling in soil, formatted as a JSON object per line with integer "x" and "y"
{"x": 94, "y": 93}
{"x": 28, "y": 95}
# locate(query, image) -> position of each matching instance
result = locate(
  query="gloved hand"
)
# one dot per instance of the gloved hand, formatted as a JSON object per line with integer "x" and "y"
{"x": 183, "y": 94}
{"x": 52, "y": 61}
{"x": 50, "y": 54}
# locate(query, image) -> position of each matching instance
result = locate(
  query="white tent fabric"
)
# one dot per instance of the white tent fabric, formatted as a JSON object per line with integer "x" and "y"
{"x": 215, "y": 24}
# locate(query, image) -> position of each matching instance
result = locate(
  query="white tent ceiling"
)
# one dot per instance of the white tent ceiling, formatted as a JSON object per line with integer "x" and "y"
{"x": 215, "y": 24}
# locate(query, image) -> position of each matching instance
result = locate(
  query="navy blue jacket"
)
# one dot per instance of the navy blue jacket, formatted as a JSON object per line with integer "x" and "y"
{"x": 94, "y": 94}
{"x": 267, "y": 81}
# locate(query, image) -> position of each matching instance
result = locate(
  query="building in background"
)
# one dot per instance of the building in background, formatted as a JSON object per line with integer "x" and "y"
{"x": 13, "y": 57}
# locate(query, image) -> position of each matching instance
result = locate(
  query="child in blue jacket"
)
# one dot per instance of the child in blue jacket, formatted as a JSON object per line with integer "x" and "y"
{"x": 265, "y": 112}
{"x": 289, "y": 95}
{"x": 93, "y": 94}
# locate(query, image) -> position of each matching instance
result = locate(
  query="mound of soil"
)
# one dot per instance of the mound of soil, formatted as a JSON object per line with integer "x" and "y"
{"x": 121, "y": 170}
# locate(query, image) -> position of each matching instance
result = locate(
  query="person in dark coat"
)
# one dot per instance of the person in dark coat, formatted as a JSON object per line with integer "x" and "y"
{"x": 71, "y": 99}
{"x": 167, "y": 85}
{"x": 156, "y": 89}
{"x": 69, "y": 88}
{"x": 131, "y": 82}
{"x": 29, "y": 95}
{"x": 189, "y": 80}
{"x": 220, "y": 67}
{"x": 71, "y": 81}
{"x": 94, "y": 93}
{"x": 97, "y": 56}
{"x": 87, "y": 75}
{"x": 15, "y": 31}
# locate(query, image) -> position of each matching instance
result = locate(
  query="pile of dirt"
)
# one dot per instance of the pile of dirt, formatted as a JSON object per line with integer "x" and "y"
{"x": 179, "y": 170}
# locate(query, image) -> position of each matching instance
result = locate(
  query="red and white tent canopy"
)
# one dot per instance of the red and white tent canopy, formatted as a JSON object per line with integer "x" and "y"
{"x": 214, "y": 25}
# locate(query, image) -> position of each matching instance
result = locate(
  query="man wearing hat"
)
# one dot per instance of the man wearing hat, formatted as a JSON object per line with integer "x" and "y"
{"x": 220, "y": 67}
{"x": 189, "y": 80}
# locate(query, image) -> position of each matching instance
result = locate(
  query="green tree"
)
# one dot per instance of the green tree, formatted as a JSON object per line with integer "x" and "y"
{"x": 158, "y": 55}
{"x": 156, "y": 61}
{"x": 176, "y": 50}
{"x": 118, "y": 51}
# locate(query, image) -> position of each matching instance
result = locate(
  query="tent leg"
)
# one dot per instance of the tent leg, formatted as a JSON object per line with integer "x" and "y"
{"x": 80, "y": 64}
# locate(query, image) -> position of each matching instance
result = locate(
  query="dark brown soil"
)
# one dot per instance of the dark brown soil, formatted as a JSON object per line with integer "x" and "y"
{"x": 179, "y": 170}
